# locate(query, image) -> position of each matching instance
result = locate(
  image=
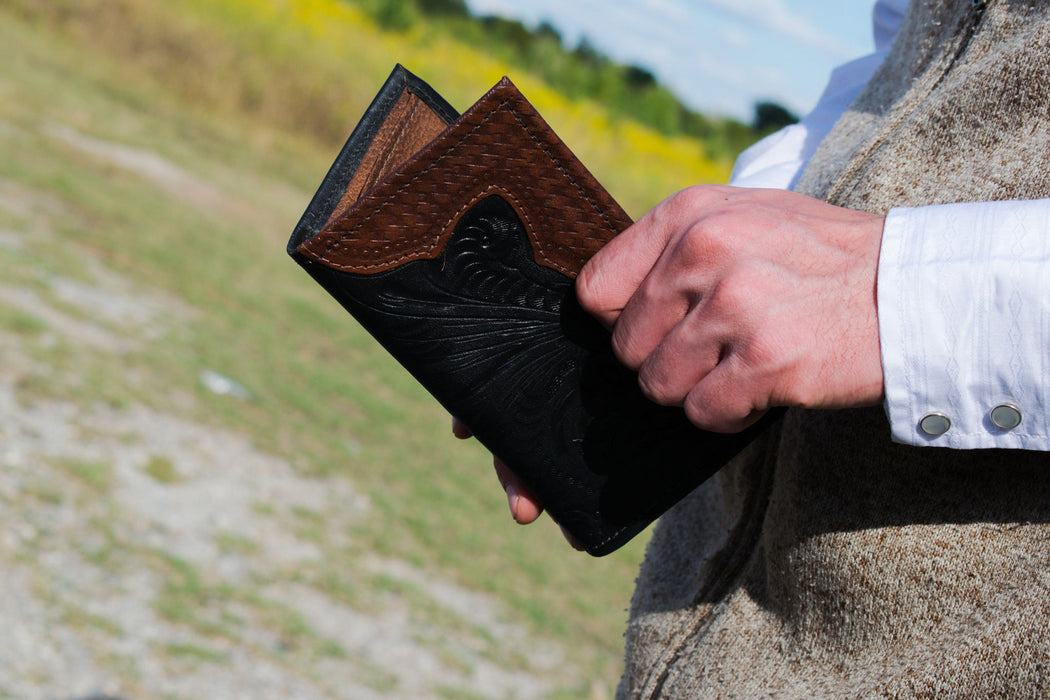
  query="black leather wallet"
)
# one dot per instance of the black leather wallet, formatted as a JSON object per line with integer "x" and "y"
{"x": 454, "y": 240}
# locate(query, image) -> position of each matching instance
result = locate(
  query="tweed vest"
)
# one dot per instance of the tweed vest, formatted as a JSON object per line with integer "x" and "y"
{"x": 827, "y": 561}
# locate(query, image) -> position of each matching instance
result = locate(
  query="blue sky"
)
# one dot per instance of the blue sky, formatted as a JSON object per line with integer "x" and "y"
{"x": 720, "y": 56}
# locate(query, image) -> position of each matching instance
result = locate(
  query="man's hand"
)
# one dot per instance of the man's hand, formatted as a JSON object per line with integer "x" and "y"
{"x": 730, "y": 301}
{"x": 524, "y": 507}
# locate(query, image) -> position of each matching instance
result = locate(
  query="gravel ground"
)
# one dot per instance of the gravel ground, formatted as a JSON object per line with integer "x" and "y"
{"x": 146, "y": 555}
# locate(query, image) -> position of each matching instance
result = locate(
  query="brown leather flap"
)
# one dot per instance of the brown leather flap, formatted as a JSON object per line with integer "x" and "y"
{"x": 393, "y": 215}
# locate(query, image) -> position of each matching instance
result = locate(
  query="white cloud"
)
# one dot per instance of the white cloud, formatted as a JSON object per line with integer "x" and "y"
{"x": 775, "y": 17}
{"x": 737, "y": 40}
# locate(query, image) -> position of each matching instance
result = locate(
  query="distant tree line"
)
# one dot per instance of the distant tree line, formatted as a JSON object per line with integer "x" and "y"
{"x": 583, "y": 71}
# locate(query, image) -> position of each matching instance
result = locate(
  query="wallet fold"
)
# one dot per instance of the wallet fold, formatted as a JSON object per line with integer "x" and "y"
{"x": 454, "y": 240}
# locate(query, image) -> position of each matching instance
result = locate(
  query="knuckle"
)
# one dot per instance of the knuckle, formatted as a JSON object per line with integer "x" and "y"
{"x": 717, "y": 410}
{"x": 589, "y": 289}
{"x": 680, "y": 203}
{"x": 702, "y": 220}
{"x": 798, "y": 389}
{"x": 715, "y": 245}
{"x": 656, "y": 388}
{"x": 741, "y": 292}
{"x": 699, "y": 244}
{"x": 730, "y": 298}
{"x": 626, "y": 348}
{"x": 700, "y": 196}
{"x": 698, "y": 411}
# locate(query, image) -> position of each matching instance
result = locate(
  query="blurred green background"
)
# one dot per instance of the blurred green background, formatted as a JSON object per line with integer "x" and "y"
{"x": 214, "y": 483}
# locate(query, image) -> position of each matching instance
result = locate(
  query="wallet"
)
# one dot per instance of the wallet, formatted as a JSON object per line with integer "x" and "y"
{"x": 455, "y": 241}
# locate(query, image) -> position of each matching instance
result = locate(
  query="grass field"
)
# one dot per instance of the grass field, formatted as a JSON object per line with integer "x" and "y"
{"x": 172, "y": 147}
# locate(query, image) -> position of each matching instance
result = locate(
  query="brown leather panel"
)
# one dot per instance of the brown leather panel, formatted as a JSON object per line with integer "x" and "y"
{"x": 410, "y": 125}
{"x": 500, "y": 145}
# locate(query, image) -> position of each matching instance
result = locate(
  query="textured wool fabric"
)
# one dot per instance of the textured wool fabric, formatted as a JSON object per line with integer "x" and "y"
{"x": 829, "y": 561}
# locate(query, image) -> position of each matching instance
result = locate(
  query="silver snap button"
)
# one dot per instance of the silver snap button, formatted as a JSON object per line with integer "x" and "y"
{"x": 934, "y": 424}
{"x": 1005, "y": 416}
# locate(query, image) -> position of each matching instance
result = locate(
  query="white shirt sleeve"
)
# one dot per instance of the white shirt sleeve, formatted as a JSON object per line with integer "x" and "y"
{"x": 964, "y": 324}
{"x": 964, "y": 328}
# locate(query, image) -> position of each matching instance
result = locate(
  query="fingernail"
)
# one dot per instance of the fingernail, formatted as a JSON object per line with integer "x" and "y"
{"x": 512, "y": 501}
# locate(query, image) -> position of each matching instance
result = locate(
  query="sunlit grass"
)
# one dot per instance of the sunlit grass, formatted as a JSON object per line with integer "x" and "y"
{"x": 253, "y": 98}
{"x": 313, "y": 66}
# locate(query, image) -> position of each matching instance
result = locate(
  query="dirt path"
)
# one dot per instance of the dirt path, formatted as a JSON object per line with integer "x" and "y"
{"x": 147, "y": 555}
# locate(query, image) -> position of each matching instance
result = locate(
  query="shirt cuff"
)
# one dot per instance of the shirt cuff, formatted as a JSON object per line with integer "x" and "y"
{"x": 964, "y": 324}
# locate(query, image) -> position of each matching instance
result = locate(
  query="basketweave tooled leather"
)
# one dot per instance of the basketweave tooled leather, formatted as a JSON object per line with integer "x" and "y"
{"x": 460, "y": 261}
{"x": 503, "y": 143}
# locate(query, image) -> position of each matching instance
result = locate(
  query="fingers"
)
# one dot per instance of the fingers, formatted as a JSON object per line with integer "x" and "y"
{"x": 697, "y": 366}
{"x": 645, "y": 280}
{"x": 524, "y": 507}
{"x": 573, "y": 542}
{"x": 729, "y": 301}
{"x": 460, "y": 430}
{"x": 616, "y": 272}
{"x": 655, "y": 309}
{"x": 685, "y": 354}
{"x": 609, "y": 279}
{"x": 719, "y": 404}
